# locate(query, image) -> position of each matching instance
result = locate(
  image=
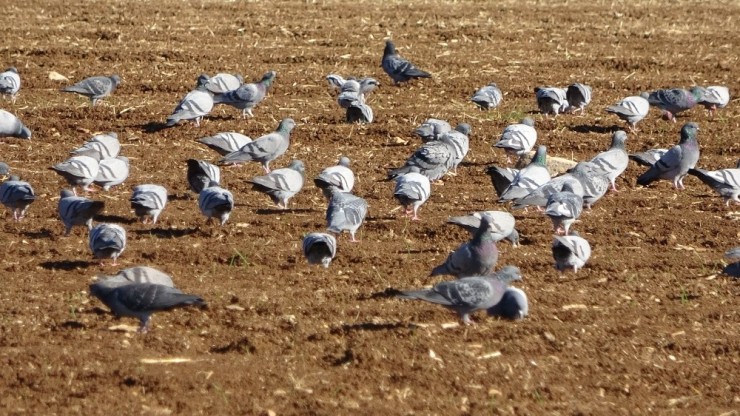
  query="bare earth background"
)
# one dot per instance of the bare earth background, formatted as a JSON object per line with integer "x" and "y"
{"x": 649, "y": 326}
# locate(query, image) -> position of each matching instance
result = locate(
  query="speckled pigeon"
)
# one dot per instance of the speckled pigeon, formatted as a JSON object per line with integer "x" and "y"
{"x": 563, "y": 208}
{"x": 488, "y": 97}
{"x": 78, "y": 171}
{"x": 631, "y": 109}
{"x": 674, "y": 165}
{"x": 148, "y": 201}
{"x": 716, "y": 96}
{"x": 528, "y": 179}
{"x": 101, "y": 146}
{"x": 247, "y": 96}
{"x": 725, "y": 182}
{"x": 551, "y": 100}
{"x": 95, "y": 88}
{"x": 339, "y": 177}
{"x": 17, "y": 195}
{"x": 264, "y": 149}
{"x": 215, "y": 201}
{"x": 202, "y": 173}
{"x": 112, "y": 172}
{"x": 398, "y": 68}
{"x": 570, "y": 251}
{"x": 412, "y": 191}
{"x": 514, "y": 305}
{"x": 346, "y": 212}
{"x": 225, "y": 143}
{"x": 518, "y": 139}
{"x": 319, "y": 248}
{"x": 578, "y": 96}
{"x": 468, "y": 294}
{"x": 615, "y": 160}
{"x": 77, "y": 210}
{"x": 476, "y": 257}
{"x": 432, "y": 129}
{"x": 107, "y": 241}
{"x": 281, "y": 184}
{"x": 196, "y": 104}
{"x": 674, "y": 101}
{"x": 10, "y": 83}
{"x": 11, "y": 126}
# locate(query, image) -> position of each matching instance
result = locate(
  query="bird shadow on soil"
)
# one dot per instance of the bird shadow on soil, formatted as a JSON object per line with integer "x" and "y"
{"x": 273, "y": 211}
{"x": 167, "y": 232}
{"x": 66, "y": 265}
{"x": 587, "y": 128}
{"x": 153, "y": 127}
{"x": 182, "y": 197}
{"x": 44, "y": 233}
{"x": 370, "y": 326}
{"x": 115, "y": 218}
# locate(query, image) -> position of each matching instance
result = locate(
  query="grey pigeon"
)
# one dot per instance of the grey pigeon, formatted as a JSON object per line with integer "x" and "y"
{"x": 76, "y": 210}
{"x": 570, "y": 251}
{"x": 514, "y": 305}
{"x": 578, "y": 96}
{"x": 615, "y": 160}
{"x": 501, "y": 223}
{"x": 107, "y": 241}
{"x": 346, "y": 212}
{"x": 595, "y": 183}
{"x": 732, "y": 269}
{"x": 528, "y": 179}
{"x": 648, "y": 157}
{"x": 459, "y": 142}
{"x": 17, "y": 195}
{"x": 518, "y": 139}
{"x": 412, "y": 191}
{"x": 221, "y": 82}
{"x": 563, "y": 208}
{"x": 4, "y": 170}
{"x": 11, "y": 126}
{"x": 10, "y": 83}
{"x": 551, "y": 100}
{"x": 336, "y": 81}
{"x": 281, "y": 184}
{"x": 225, "y": 143}
{"x": 112, "y": 172}
{"x": 433, "y": 159}
{"x": 631, "y": 109}
{"x": 675, "y": 100}
{"x": 148, "y": 201}
{"x": 476, "y": 257}
{"x": 359, "y": 112}
{"x": 264, "y": 149}
{"x": 196, "y": 104}
{"x": 202, "y": 173}
{"x": 398, "y": 68}
{"x": 585, "y": 180}
{"x": 141, "y": 300}
{"x": 349, "y": 92}
{"x": 432, "y": 129}
{"x": 101, "y": 147}
{"x": 336, "y": 178}
{"x": 501, "y": 177}
{"x": 674, "y": 165}
{"x": 247, "y": 96}
{"x": 217, "y": 202}
{"x": 137, "y": 274}
{"x": 319, "y": 248}
{"x": 488, "y": 97}
{"x": 95, "y": 88}
{"x": 468, "y": 294}
{"x": 725, "y": 182}
{"x": 733, "y": 253}
{"x": 716, "y": 96}
{"x": 78, "y": 171}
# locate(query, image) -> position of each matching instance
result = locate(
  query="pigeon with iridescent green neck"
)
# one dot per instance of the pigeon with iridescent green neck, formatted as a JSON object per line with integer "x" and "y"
{"x": 674, "y": 165}
{"x": 675, "y": 100}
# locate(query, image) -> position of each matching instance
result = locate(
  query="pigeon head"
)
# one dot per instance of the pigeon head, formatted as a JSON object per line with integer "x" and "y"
{"x": 66, "y": 193}
{"x": 689, "y": 131}
{"x": 540, "y": 156}
{"x": 116, "y": 79}
{"x": 528, "y": 121}
{"x": 286, "y": 125}
{"x": 390, "y": 48}
{"x": 618, "y": 139}
{"x": 368, "y": 84}
{"x": 483, "y": 233}
{"x": 297, "y": 166}
{"x": 4, "y": 169}
{"x": 202, "y": 80}
{"x": 464, "y": 128}
{"x": 509, "y": 274}
{"x": 344, "y": 161}
{"x": 268, "y": 78}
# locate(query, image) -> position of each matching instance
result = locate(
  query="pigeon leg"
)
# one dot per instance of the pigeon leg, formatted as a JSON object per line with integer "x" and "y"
{"x": 145, "y": 326}
{"x": 466, "y": 320}
{"x": 353, "y": 238}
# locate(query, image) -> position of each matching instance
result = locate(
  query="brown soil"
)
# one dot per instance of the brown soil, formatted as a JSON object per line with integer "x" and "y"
{"x": 647, "y": 327}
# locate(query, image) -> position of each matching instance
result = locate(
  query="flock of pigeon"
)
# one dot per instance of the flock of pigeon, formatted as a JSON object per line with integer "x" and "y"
{"x": 140, "y": 291}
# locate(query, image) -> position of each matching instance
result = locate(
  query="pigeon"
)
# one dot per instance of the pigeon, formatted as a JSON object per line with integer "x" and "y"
{"x": 648, "y": 157}
{"x": 78, "y": 171}
{"x": 585, "y": 180}
{"x": 196, "y": 104}
{"x": 17, "y": 195}
{"x": 433, "y": 159}
{"x": 501, "y": 223}
{"x": 578, "y": 96}
{"x": 725, "y": 182}
{"x": 137, "y": 274}
{"x": 141, "y": 300}
{"x": 345, "y": 212}
{"x": 202, "y": 173}
{"x": 674, "y": 101}
{"x": 674, "y": 165}
{"x": 432, "y": 129}
{"x": 476, "y": 257}
{"x": 77, "y": 210}
{"x": 459, "y": 143}
{"x": 488, "y": 97}
{"x": 533, "y": 176}
{"x": 215, "y": 201}
{"x": 107, "y": 241}
{"x": 336, "y": 178}
{"x": 10, "y": 83}
{"x": 732, "y": 269}
{"x": 501, "y": 177}
{"x": 4, "y": 170}
{"x": 551, "y": 100}
{"x": 95, "y": 88}
{"x": 265, "y": 148}
{"x": 631, "y": 109}
{"x": 468, "y": 294}
{"x": 563, "y": 208}
{"x": 319, "y": 248}
{"x": 336, "y": 81}
{"x": 733, "y": 253}
{"x": 352, "y": 89}
{"x": 412, "y": 190}
{"x": 595, "y": 183}
{"x": 11, "y": 126}
{"x": 513, "y": 305}
{"x": 716, "y": 96}
{"x": 225, "y": 143}
{"x": 221, "y": 82}
{"x": 570, "y": 251}
{"x": 112, "y": 172}
{"x": 615, "y": 160}
{"x": 398, "y": 68}
{"x": 247, "y": 96}
{"x": 148, "y": 201}
{"x": 359, "y": 112}
{"x": 281, "y": 184}
{"x": 101, "y": 147}
{"x": 518, "y": 139}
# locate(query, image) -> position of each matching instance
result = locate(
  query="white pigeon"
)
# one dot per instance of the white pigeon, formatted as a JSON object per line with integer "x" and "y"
{"x": 716, "y": 96}
{"x": 281, "y": 184}
{"x": 148, "y": 201}
{"x": 11, "y": 126}
{"x": 10, "y": 83}
{"x": 112, "y": 172}
{"x": 101, "y": 146}
{"x": 78, "y": 171}
{"x": 564, "y": 208}
{"x": 339, "y": 177}
{"x": 502, "y": 224}
{"x": 196, "y": 104}
{"x": 570, "y": 251}
{"x": 412, "y": 191}
{"x": 107, "y": 241}
{"x": 631, "y": 109}
{"x": 518, "y": 139}
{"x": 459, "y": 142}
{"x": 319, "y": 248}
